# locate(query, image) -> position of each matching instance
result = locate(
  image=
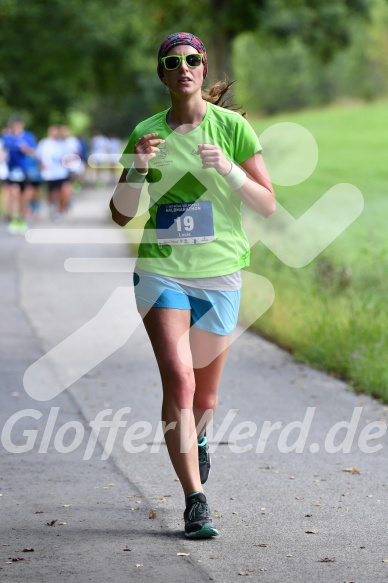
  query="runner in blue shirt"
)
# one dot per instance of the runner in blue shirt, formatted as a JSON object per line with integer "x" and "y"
{"x": 19, "y": 144}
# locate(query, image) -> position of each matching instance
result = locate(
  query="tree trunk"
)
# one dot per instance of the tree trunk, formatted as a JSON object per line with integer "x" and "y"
{"x": 220, "y": 46}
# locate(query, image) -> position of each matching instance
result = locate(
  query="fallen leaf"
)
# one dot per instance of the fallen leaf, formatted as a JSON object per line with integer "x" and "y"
{"x": 326, "y": 560}
{"x": 28, "y": 550}
{"x": 39, "y": 512}
{"x": 217, "y": 516}
{"x": 351, "y": 470}
{"x": 183, "y": 554}
{"x": 15, "y": 559}
{"x": 312, "y": 531}
{"x": 152, "y": 514}
{"x": 262, "y": 545}
{"x": 52, "y": 522}
{"x": 317, "y": 504}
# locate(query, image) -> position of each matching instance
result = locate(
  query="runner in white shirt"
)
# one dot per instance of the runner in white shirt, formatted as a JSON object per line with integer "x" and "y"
{"x": 50, "y": 153}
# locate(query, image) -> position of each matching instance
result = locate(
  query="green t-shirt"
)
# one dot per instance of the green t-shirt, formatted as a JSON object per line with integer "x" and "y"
{"x": 176, "y": 178}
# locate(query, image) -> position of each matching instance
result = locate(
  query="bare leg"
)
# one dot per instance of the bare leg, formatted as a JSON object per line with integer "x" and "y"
{"x": 15, "y": 210}
{"x": 64, "y": 196}
{"x": 184, "y": 388}
{"x": 207, "y": 378}
{"x": 164, "y": 328}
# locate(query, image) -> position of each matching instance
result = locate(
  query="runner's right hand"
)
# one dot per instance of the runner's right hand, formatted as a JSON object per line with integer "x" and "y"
{"x": 146, "y": 149}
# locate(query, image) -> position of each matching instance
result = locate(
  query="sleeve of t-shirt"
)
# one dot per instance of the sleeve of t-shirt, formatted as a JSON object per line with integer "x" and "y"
{"x": 126, "y": 158}
{"x": 246, "y": 142}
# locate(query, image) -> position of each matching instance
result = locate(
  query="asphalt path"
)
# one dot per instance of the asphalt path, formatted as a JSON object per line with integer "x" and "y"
{"x": 103, "y": 503}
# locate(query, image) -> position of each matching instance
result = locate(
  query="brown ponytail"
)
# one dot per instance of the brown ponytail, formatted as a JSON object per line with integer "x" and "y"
{"x": 217, "y": 94}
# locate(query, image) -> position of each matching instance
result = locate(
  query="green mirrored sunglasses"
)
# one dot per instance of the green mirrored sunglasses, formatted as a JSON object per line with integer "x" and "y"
{"x": 173, "y": 61}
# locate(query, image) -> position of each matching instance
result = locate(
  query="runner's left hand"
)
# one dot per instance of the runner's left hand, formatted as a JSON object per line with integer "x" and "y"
{"x": 213, "y": 157}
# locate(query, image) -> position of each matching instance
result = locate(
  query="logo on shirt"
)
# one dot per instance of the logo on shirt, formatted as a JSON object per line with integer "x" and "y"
{"x": 161, "y": 158}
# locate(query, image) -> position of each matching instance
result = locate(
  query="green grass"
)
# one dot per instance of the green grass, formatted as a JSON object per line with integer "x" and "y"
{"x": 333, "y": 312}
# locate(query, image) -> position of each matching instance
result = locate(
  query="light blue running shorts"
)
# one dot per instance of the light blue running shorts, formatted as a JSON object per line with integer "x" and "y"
{"x": 211, "y": 310}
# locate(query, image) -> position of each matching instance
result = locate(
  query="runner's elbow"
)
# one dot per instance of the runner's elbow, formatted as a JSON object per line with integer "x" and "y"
{"x": 270, "y": 209}
{"x": 117, "y": 217}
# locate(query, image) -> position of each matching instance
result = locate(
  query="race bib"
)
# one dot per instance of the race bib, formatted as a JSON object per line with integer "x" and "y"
{"x": 185, "y": 223}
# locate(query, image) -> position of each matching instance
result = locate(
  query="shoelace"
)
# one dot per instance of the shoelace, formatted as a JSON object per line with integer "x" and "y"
{"x": 198, "y": 511}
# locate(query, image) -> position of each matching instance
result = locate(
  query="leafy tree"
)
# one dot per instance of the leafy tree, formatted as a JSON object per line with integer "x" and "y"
{"x": 58, "y": 53}
{"x": 102, "y": 57}
{"x": 322, "y": 26}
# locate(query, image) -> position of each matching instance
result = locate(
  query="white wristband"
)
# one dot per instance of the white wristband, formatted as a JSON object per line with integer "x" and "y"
{"x": 236, "y": 177}
{"x": 135, "y": 178}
